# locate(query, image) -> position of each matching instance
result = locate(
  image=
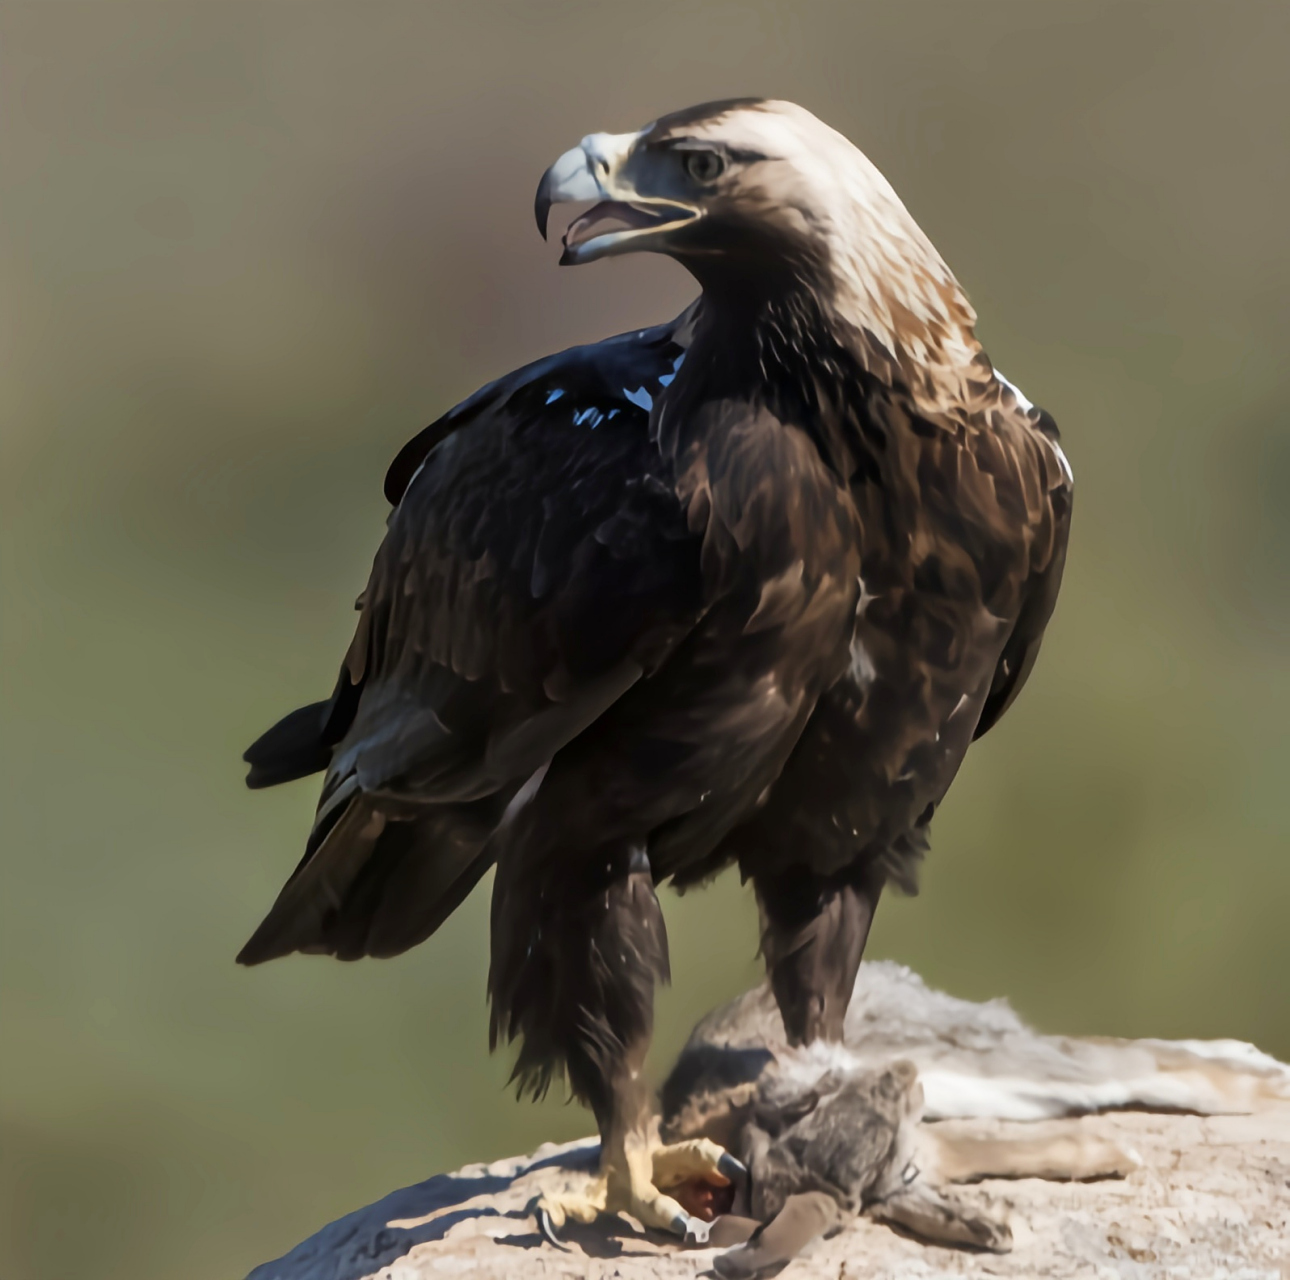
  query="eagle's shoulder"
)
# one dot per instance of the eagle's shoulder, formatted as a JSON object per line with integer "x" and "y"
{"x": 592, "y": 383}
{"x": 1038, "y": 426}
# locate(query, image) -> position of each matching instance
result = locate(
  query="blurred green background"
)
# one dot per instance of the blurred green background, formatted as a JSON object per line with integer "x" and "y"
{"x": 247, "y": 250}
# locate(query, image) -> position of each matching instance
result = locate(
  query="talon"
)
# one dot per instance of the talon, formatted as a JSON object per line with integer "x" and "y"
{"x": 547, "y": 1228}
{"x": 732, "y": 1168}
{"x": 693, "y": 1230}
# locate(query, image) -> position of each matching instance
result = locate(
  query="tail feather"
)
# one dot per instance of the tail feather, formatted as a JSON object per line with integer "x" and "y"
{"x": 376, "y": 886}
{"x": 293, "y": 748}
{"x": 301, "y": 743}
{"x": 300, "y": 918}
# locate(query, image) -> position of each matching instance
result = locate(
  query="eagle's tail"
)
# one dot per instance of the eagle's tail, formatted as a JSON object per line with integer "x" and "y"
{"x": 293, "y": 748}
{"x": 371, "y": 885}
{"x": 301, "y": 743}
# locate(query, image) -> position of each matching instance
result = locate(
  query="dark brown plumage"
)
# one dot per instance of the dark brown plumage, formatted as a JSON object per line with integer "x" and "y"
{"x": 741, "y": 588}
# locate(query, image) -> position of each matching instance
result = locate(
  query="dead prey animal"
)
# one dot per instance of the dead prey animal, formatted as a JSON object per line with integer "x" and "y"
{"x": 827, "y": 1133}
{"x": 820, "y": 1152}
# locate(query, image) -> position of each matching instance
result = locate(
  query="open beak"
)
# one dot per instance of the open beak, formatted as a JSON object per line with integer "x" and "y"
{"x": 624, "y": 219}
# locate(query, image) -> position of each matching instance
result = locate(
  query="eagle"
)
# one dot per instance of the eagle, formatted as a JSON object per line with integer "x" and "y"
{"x": 741, "y": 588}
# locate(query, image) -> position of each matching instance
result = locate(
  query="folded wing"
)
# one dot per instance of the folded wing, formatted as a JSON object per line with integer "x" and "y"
{"x": 536, "y": 565}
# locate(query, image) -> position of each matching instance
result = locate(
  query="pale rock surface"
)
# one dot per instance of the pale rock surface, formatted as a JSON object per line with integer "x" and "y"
{"x": 1211, "y": 1201}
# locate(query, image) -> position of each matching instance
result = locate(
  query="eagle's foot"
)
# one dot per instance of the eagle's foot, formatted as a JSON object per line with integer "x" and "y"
{"x": 555, "y": 1208}
{"x": 637, "y": 1180}
{"x": 700, "y": 1174}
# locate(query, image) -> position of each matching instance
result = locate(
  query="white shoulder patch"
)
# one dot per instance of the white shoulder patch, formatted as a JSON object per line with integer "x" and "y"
{"x": 1016, "y": 391}
{"x": 1062, "y": 460}
{"x": 1063, "y": 463}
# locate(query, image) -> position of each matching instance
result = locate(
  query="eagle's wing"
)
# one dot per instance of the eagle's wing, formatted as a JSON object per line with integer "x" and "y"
{"x": 536, "y": 564}
{"x": 614, "y": 381}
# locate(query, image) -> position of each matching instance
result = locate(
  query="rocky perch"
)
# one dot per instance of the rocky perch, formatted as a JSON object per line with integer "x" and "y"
{"x": 1193, "y": 1186}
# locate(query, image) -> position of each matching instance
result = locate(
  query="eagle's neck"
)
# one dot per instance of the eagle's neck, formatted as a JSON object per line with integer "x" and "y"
{"x": 912, "y": 330}
{"x": 776, "y": 344}
{"x": 818, "y": 359}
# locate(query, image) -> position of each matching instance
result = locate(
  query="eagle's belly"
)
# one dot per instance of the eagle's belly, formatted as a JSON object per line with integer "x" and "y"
{"x": 886, "y": 739}
{"x": 692, "y": 749}
{"x": 913, "y": 695}
{"x": 749, "y": 718}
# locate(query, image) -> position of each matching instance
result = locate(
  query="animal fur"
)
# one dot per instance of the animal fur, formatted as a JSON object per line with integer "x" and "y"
{"x": 831, "y": 1131}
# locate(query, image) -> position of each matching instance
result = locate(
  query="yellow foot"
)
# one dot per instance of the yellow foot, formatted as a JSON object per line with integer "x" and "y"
{"x": 554, "y": 1208}
{"x": 636, "y": 1180}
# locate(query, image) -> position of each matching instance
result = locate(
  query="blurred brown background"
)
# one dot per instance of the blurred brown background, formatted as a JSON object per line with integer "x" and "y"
{"x": 247, "y": 250}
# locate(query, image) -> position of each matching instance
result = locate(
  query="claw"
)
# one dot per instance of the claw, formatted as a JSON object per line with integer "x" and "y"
{"x": 693, "y": 1230}
{"x": 547, "y": 1228}
{"x": 734, "y": 1169}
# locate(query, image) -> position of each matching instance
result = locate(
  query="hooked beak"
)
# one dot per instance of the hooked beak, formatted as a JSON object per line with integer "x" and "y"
{"x": 596, "y": 170}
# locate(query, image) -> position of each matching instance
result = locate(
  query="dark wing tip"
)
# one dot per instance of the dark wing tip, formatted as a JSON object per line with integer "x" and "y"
{"x": 254, "y": 952}
{"x": 294, "y": 748}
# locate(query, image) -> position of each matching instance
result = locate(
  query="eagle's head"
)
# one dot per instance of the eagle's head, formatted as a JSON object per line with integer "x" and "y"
{"x": 759, "y": 199}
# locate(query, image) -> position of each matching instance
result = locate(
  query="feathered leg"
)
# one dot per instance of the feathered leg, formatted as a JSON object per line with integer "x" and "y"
{"x": 576, "y": 955}
{"x": 814, "y": 930}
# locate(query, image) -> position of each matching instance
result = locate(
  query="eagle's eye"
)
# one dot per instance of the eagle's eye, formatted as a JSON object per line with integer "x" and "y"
{"x": 704, "y": 166}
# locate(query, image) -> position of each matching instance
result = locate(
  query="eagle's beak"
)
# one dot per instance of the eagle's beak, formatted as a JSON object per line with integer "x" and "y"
{"x": 596, "y": 170}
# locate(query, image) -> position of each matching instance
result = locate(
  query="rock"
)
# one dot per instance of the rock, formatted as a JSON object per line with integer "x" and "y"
{"x": 1211, "y": 1201}
{"x": 1190, "y": 1196}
